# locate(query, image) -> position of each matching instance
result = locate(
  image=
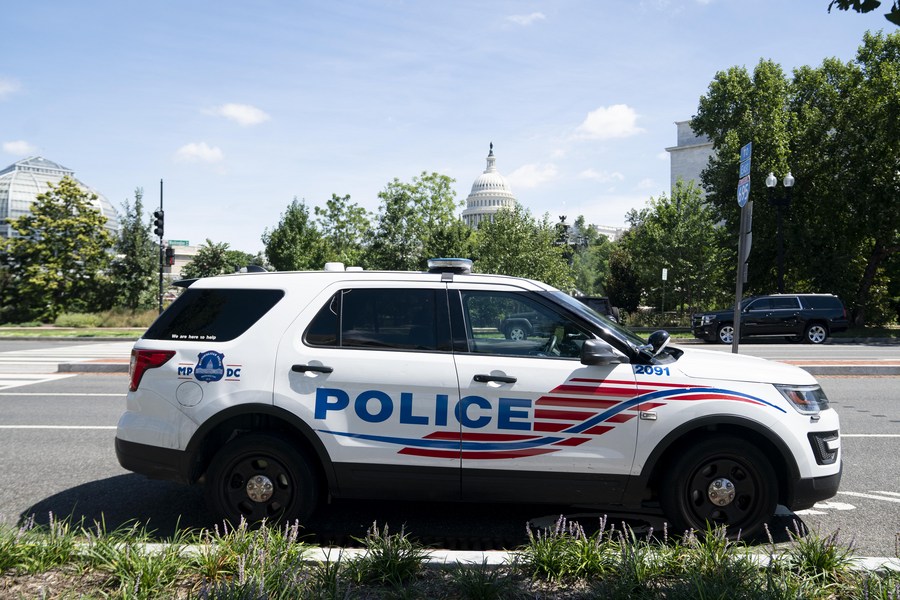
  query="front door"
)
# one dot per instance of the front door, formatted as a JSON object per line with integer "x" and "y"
{"x": 537, "y": 425}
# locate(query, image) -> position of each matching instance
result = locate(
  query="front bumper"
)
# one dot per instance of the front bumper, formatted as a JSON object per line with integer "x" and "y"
{"x": 810, "y": 490}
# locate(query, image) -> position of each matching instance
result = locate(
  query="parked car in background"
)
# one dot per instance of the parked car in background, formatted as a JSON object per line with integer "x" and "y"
{"x": 809, "y": 318}
{"x": 602, "y": 305}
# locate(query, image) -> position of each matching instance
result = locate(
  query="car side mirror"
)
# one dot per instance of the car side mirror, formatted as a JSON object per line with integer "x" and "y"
{"x": 658, "y": 339}
{"x": 596, "y": 352}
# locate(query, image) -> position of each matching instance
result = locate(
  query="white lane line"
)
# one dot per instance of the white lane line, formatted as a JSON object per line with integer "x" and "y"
{"x": 75, "y": 427}
{"x": 20, "y": 380}
{"x": 870, "y": 435}
{"x": 870, "y": 496}
{"x": 64, "y": 394}
{"x": 887, "y": 493}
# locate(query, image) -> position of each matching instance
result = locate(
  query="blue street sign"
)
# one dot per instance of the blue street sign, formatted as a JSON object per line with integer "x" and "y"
{"x": 745, "y": 168}
{"x": 743, "y": 191}
{"x": 746, "y": 151}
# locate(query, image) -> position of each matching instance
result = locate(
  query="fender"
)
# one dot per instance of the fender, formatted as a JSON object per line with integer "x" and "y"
{"x": 638, "y": 485}
{"x": 257, "y": 415}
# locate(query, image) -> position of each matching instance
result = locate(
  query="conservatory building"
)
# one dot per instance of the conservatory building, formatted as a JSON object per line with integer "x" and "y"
{"x": 22, "y": 181}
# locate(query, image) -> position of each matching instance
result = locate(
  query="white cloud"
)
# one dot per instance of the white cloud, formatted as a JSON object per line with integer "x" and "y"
{"x": 663, "y": 155}
{"x": 604, "y": 123}
{"x": 526, "y": 20}
{"x": 529, "y": 176}
{"x": 244, "y": 115}
{"x": 199, "y": 152}
{"x": 19, "y": 148}
{"x": 646, "y": 184}
{"x": 601, "y": 176}
{"x": 8, "y": 87}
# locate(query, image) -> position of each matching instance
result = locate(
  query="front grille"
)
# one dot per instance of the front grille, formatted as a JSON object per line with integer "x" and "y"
{"x": 819, "y": 442}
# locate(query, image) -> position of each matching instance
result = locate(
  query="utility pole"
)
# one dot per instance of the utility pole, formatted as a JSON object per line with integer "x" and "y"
{"x": 159, "y": 218}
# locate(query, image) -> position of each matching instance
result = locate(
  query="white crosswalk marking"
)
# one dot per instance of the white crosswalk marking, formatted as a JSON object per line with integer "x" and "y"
{"x": 45, "y": 360}
{"x": 14, "y": 380}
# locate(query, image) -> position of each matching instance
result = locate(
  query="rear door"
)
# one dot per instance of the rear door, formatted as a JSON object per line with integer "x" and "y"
{"x": 373, "y": 375}
{"x": 537, "y": 425}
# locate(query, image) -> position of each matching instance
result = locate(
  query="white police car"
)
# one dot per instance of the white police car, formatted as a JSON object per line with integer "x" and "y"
{"x": 279, "y": 389}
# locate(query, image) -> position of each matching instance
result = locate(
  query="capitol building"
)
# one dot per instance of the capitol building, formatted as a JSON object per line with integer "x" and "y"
{"x": 490, "y": 193}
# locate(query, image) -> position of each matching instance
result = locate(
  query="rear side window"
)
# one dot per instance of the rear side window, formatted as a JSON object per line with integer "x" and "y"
{"x": 216, "y": 315}
{"x": 822, "y": 302}
{"x": 398, "y": 319}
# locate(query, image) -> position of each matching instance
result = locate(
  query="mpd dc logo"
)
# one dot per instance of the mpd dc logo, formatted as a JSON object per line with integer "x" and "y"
{"x": 210, "y": 368}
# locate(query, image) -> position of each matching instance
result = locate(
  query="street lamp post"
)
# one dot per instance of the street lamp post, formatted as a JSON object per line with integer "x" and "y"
{"x": 780, "y": 203}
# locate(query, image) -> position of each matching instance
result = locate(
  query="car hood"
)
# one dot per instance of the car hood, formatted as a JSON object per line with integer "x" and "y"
{"x": 714, "y": 364}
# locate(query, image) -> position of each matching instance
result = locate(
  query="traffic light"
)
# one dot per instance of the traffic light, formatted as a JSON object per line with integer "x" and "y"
{"x": 158, "y": 221}
{"x": 170, "y": 255}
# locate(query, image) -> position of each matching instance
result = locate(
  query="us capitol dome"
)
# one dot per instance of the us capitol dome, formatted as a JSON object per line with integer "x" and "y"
{"x": 490, "y": 193}
{"x": 22, "y": 181}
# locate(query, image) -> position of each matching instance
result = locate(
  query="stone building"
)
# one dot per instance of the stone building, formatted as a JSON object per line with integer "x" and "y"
{"x": 689, "y": 157}
{"x": 490, "y": 193}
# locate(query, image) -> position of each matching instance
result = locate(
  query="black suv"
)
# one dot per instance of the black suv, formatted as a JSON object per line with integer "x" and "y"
{"x": 799, "y": 317}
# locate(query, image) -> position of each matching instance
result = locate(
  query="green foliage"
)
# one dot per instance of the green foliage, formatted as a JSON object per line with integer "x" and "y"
{"x": 623, "y": 286}
{"x": 295, "y": 244}
{"x": 136, "y": 265}
{"x": 483, "y": 582}
{"x": 217, "y": 259}
{"x": 78, "y": 320}
{"x": 677, "y": 234}
{"x": 590, "y": 259}
{"x": 344, "y": 226}
{"x": 864, "y": 6}
{"x": 59, "y": 259}
{"x": 835, "y": 128}
{"x": 514, "y": 243}
{"x": 389, "y": 558}
{"x": 409, "y": 221}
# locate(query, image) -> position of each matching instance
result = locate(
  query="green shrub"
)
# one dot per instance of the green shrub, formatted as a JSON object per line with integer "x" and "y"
{"x": 77, "y": 320}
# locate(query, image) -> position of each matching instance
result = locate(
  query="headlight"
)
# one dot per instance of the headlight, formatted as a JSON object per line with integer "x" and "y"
{"x": 707, "y": 319}
{"x": 807, "y": 399}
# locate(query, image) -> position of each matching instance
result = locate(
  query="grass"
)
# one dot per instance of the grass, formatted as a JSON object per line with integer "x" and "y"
{"x": 63, "y": 560}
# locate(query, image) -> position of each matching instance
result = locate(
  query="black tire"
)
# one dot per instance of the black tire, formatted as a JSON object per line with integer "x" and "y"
{"x": 516, "y": 333}
{"x": 725, "y": 333}
{"x": 273, "y": 460}
{"x": 815, "y": 333}
{"x": 687, "y": 490}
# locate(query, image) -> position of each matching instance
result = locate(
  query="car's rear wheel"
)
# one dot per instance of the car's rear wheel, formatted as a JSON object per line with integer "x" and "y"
{"x": 816, "y": 333}
{"x": 260, "y": 477}
{"x": 516, "y": 332}
{"x": 721, "y": 481}
{"x": 725, "y": 333}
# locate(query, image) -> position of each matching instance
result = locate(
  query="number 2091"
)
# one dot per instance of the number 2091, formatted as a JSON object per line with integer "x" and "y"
{"x": 651, "y": 370}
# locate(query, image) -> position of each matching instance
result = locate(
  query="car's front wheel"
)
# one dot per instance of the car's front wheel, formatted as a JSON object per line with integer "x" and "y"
{"x": 516, "y": 333}
{"x": 721, "y": 481}
{"x": 725, "y": 333}
{"x": 816, "y": 333}
{"x": 261, "y": 477}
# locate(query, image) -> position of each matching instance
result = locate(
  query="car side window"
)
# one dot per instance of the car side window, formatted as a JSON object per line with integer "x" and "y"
{"x": 511, "y": 324}
{"x": 787, "y": 303}
{"x": 393, "y": 318}
{"x": 760, "y": 304}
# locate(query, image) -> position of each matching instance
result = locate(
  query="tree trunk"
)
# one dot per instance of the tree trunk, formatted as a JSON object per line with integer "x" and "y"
{"x": 880, "y": 252}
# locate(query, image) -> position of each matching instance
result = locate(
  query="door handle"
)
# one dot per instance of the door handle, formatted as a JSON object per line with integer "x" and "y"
{"x": 312, "y": 368}
{"x": 497, "y": 378}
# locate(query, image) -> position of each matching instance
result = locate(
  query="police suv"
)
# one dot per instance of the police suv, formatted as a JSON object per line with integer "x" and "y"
{"x": 278, "y": 390}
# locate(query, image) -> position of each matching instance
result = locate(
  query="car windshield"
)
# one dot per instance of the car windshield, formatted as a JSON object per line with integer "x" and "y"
{"x": 623, "y": 334}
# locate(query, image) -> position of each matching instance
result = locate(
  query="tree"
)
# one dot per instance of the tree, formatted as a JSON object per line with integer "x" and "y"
{"x": 589, "y": 258}
{"x": 514, "y": 243}
{"x": 864, "y": 6}
{"x": 58, "y": 260}
{"x": 624, "y": 287}
{"x": 409, "y": 221}
{"x": 135, "y": 267}
{"x": 678, "y": 234}
{"x": 836, "y": 128}
{"x": 344, "y": 226}
{"x": 295, "y": 244}
{"x": 215, "y": 259}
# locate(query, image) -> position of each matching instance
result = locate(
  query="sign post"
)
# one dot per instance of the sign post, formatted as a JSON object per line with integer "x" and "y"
{"x": 745, "y": 239}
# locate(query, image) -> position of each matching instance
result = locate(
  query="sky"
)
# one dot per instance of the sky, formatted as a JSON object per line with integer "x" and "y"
{"x": 241, "y": 107}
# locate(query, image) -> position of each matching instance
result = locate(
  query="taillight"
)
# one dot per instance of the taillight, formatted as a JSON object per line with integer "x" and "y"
{"x": 141, "y": 360}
